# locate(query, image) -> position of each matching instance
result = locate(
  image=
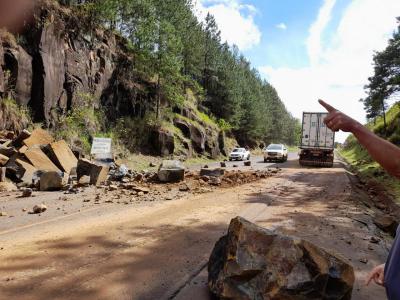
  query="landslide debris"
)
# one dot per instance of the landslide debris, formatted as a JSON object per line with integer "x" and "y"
{"x": 251, "y": 262}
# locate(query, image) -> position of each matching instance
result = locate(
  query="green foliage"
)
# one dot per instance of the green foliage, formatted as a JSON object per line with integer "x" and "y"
{"x": 385, "y": 82}
{"x": 13, "y": 116}
{"x": 362, "y": 162}
{"x": 81, "y": 124}
{"x": 177, "y": 52}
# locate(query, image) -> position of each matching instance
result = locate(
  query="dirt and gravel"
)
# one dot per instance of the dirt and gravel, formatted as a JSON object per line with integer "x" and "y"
{"x": 158, "y": 247}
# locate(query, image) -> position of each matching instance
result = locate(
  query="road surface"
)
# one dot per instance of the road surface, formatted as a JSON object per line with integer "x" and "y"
{"x": 159, "y": 249}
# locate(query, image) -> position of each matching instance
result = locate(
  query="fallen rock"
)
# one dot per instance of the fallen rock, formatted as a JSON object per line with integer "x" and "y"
{"x": 251, "y": 262}
{"x": 223, "y": 164}
{"x": 215, "y": 181}
{"x": 18, "y": 141}
{"x": 97, "y": 173}
{"x": 40, "y": 160}
{"x": 38, "y": 137}
{"x": 37, "y": 209}
{"x": 184, "y": 187}
{"x": 20, "y": 170}
{"x": 3, "y": 174}
{"x": 26, "y": 193}
{"x": 386, "y": 223}
{"x": 3, "y": 214}
{"x": 84, "y": 180}
{"x": 62, "y": 156}
{"x": 217, "y": 172}
{"x": 247, "y": 163}
{"x": 171, "y": 171}
{"x": 3, "y": 160}
{"x": 52, "y": 181}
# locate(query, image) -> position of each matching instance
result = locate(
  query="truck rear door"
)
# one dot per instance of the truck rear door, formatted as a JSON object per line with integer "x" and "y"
{"x": 315, "y": 134}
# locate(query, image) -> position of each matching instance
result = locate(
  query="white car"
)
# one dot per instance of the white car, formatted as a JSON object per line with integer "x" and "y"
{"x": 239, "y": 154}
{"x": 275, "y": 152}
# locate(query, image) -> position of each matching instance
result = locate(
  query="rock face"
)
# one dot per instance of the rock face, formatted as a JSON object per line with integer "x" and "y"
{"x": 192, "y": 132}
{"x": 20, "y": 65}
{"x": 251, "y": 262}
{"x": 58, "y": 64}
{"x": 162, "y": 142}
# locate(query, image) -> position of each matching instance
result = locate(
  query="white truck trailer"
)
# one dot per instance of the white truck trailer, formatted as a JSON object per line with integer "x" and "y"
{"x": 317, "y": 141}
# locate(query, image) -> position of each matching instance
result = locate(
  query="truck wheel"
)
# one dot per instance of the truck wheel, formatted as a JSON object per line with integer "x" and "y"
{"x": 230, "y": 159}
{"x": 248, "y": 157}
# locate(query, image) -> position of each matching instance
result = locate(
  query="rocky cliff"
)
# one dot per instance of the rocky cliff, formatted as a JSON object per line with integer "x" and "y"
{"x": 58, "y": 58}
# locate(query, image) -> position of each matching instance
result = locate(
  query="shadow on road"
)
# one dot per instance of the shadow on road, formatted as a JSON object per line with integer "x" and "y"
{"x": 110, "y": 265}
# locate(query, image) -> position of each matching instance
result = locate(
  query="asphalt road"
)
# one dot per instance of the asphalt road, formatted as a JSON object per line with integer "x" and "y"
{"x": 257, "y": 163}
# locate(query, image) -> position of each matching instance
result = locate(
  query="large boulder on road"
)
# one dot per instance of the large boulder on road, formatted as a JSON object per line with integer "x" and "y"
{"x": 251, "y": 262}
{"x": 97, "y": 173}
{"x": 171, "y": 171}
{"x": 52, "y": 181}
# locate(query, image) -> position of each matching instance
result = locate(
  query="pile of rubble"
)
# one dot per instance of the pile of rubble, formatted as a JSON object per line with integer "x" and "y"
{"x": 35, "y": 160}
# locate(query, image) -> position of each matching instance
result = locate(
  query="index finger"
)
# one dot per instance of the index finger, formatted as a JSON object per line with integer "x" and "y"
{"x": 328, "y": 107}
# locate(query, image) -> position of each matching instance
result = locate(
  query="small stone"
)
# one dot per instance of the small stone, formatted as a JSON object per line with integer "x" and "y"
{"x": 374, "y": 240}
{"x": 184, "y": 188}
{"x": 112, "y": 187}
{"x": 363, "y": 260}
{"x": 215, "y": 181}
{"x": 26, "y": 193}
{"x": 86, "y": 200}
{"x": 3, "y": 214}
{"x": 235, "y": 166}
{"x": 223, "y": 164}
{"x": 152, "y": 165}
{"x": 37, "y": 209}
{"x": 140, "y": 194}
{"x": 205, "y": 167}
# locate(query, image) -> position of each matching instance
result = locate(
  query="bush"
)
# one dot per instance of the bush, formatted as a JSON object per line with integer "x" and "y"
{"x": 13, "y": 117}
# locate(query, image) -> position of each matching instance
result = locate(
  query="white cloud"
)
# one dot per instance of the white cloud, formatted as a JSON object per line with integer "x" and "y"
{"x": 340, "y": 68}
{"x": 281, "y": 26}
{"x": 234, "y": 19}
{"x": 316, "y": 30}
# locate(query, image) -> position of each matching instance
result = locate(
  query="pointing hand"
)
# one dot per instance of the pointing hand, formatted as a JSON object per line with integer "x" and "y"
{"x": 337, "y": 120}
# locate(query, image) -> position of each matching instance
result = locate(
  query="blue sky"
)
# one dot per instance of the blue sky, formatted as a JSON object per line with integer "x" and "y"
{"x": 309, "y": 49}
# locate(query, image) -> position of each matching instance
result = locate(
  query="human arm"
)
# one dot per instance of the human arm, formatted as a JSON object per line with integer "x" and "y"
{"x": 377, "y": 274}
{"x": 382, "y": 151}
